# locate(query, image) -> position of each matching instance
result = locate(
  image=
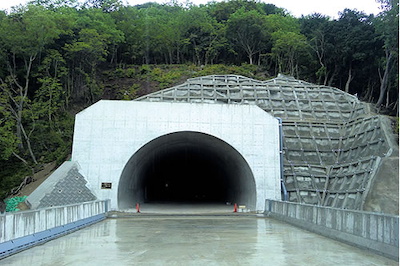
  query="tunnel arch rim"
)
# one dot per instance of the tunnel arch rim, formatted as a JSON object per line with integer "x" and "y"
{"x": 250, "y": 178}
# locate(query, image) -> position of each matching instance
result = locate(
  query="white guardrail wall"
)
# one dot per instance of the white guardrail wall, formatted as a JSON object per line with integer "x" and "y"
{"x": 21, "y": 230}
{"x": 374, "y": 231}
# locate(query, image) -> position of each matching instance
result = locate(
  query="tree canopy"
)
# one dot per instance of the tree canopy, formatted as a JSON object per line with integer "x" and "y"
{"x": 58, "y": 56}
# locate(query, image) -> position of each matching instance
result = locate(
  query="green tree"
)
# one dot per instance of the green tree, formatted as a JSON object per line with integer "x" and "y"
{"x": 96, "y": 38}
{"x": 222, "y": 11}
{"x": 8, "y": 139}
{"x": 129, "y": 21}
{"x": 288, "y": 44}
{"x": 86, "y": 53}
{"x": 105, "y": 5}
{"x": 54, "y": 4}
{"x": 24, "y": 37}
{"x": 314, "y": 27}
{"x": 202, "y": 36}
{"x": 246, "y": 31}
{"x": 288, "y": 47}
{"x": 387, "y": 27}
{"x": 277, "y": 22}
{"x": 53, "y": 127}
{"x": 354, "y": 38}
{"x": 153, "y": 32}
{"x": 50, "y": 98}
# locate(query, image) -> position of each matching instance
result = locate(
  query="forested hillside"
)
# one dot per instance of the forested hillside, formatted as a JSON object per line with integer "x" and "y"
{"x": 59, "y": 56}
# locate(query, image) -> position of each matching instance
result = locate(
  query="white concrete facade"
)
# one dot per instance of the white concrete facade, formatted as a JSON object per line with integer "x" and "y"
{"x": 108, "y": 133}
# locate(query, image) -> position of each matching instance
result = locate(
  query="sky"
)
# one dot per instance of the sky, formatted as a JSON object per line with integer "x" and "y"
{"x": 295, "y": 7}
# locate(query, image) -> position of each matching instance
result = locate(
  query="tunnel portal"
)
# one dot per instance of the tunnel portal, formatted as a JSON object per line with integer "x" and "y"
{"x": 137, "y": 152}
{"x": 187, "y": 167}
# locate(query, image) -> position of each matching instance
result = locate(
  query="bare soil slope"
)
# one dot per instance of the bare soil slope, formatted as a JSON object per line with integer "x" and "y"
{"x": 384, "y": 193}
{"x": 38, "y": 178}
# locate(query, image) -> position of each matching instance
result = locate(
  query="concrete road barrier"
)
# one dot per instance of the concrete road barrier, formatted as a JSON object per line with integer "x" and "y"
{"x": 374, "y": 231}
{"x": 21, "y": 230}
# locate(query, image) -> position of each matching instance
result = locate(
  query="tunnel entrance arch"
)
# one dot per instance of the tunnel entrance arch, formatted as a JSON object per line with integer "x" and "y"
{"x": 119, "y": 145}
{"x": 184, "y": 167}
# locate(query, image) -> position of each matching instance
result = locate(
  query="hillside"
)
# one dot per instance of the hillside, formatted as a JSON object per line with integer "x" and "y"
{"x": 110, "y": 50}
{"x": 116, "y": 84}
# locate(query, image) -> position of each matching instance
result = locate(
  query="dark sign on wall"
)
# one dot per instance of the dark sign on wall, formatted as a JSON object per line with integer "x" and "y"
{"x": 106, "y": 185}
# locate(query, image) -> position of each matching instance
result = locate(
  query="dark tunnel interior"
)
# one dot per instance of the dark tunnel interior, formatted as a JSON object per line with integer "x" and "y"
{"x": 185, "y": 174}
{"x": 186, "y": 167}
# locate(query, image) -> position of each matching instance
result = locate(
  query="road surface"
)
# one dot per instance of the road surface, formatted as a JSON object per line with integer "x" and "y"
{"x": 194, "y": 240}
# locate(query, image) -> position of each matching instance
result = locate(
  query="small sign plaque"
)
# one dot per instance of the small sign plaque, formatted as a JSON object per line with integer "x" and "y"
{"x": 106, "y": 185}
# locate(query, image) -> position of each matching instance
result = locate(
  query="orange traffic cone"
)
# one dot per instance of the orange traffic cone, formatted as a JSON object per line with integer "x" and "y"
{"x": 137, "y": 208}
{"x": 235, "y": 208}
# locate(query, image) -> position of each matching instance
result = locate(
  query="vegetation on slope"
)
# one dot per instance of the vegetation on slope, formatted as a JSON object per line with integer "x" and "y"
{"x": 58, "y": 57}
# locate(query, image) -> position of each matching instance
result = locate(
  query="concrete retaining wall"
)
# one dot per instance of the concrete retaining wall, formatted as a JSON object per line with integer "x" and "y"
{"x": 22, "y": 230}
{"x": 373, "y": 231}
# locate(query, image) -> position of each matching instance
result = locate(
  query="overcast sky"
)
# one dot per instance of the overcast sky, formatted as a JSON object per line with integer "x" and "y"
{"x": 295, "y": 7}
